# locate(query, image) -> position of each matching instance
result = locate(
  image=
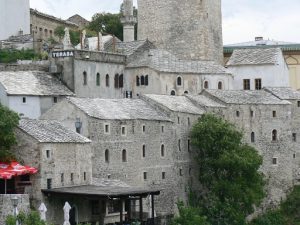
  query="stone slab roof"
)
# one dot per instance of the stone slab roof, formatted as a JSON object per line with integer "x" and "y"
{"x": 243, "y": 97}
{"x": 254, "y": 56}
{"x": 164, "y": 61}
{"x": 118, "y": 109}
{"x": 176, "y": 103}
{"x": 47, "y": 131}
{"x": 284, "y": 93}
{"x": 128, "y": 48}
{"x": 35, "y": 83}
{"x": 205, "y": 101}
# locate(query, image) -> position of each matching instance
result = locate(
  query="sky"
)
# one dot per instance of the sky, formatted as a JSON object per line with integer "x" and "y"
{"x": 243, "y": 20}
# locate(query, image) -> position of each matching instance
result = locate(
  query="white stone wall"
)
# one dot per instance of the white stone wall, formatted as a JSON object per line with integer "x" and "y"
{"x": 30, "y": 109}
{"x": 14, "y": 16}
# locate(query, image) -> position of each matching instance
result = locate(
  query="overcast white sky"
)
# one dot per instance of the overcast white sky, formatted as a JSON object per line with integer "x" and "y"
{"x": 242, "y": 19}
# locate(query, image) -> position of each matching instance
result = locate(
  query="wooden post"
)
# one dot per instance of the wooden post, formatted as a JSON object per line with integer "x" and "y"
{"x": 152, "y": 203}
{"x": 121, "y": 211}
{"x": 141, "y": 209}
{"x": 129, "y": 210}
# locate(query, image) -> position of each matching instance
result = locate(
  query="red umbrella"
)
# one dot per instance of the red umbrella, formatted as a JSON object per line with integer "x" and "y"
{"x": 5, "y": 175}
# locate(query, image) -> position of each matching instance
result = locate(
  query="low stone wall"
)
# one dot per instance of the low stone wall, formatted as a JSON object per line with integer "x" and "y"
{"x": 24, "y": 67}
{"x": 6, "y": 207}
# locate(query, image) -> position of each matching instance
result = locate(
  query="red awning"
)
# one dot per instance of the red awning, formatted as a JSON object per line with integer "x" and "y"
{"x": 8, "y": 170}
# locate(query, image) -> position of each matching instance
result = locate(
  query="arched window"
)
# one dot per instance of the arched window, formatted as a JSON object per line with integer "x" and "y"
{"x": 142, "y": 80}
{"x": 179, "y": 145}
{"x": 98, "y": 79}
{"x": 107, "y": 80}
{"x": 220, "y": 85}
{"x": 186, "y": 92}
{"x": 162, "y": 150}
{"x": 144, "y": 151}
{"x": 117, "y": 80}
{"x": 274, "y": 135}
{"x": 252, "y": 137}
{"x": 179, "y": 81}
{"x": 121, "y": 81}
{"x": 173, "y": 92}
{"x": 137, "y": 81}
{"x": 146, "y": 80}
{"x": 124, "y": 156}
{"x": 84, "y": 78}
{"x": 206, "y": 86}
{"x": 107, "y": 156}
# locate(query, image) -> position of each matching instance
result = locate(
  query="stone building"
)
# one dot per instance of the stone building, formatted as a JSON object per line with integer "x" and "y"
{"x": 291, "y": 52}
{"x": 30, "y": 93}
{"x": 256, "y": 68}
{"x": 79, "y": 20}
{"x": 190, "y": 29}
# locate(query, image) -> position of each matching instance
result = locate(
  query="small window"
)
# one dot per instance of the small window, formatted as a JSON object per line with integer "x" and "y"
{"x": 173, "y": 93}
{"x": 72, "y": 177}
{"x": 144, "y": 128}
{"x": 189, "y": 145}
{"x": 274, "y": 113}
{"x": 252, "y": 137}
{"x": 145, "y": 175}
{"x": 294, "y": 137}
{"x": 206, "y": 86}
{"x": 298, "y": 103}
{"x": 186, "y": 92}
{"x": 257, "y": 84}
{"x": 137, "y": 81}
{"x": 107, "y": 80}
{"x": 62, "y": 177}
{"x": 142, "y": 80}
{"x": 162, "y": 150}
{"x": 98, "y": 79}
{"x": 237, "y": 113}
{"x": 189, "y": 121}
{"x": 123, "y": 131}
{"x": 95, "y": 207}
{"x": 106, "y": 129}
{"x": 220, "y": 85}
{"x": 274, "y": 161}
{"x": 84, "y": 176}
{"x": 117, "y": 80}
{"x": 162, "y": 129}
{"x": 54, "y": 99}
{"x": 144, "y": 151}
{"x": 107, "y": 156}
{"x": 274, "y": 135}
{"x": 246, "y": 83}
{"x": 49, "y": 183}
{"x": 124, "y": 156}
{"x": 146, "y": 80}
{"x": 179, "y": 145}
{"x": 84, "y": 78}
{"x": 180, "y": 172}
{"x": 179, "y": 81}
{"x": 48, "y": 154}
{"x": 252, "y": 113}
{"x": 178, "y": 120}
{"x": 24, "y": 99}
{"x": 294, "y": 156}
{"x": 190, "y": 171}
{"x": 163, "y": 175}
{"x": 121, "y": 81}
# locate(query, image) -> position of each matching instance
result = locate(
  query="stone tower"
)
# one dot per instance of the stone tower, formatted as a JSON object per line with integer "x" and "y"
{"x": 128, "y": 20}
{"x": 191, "y": 29}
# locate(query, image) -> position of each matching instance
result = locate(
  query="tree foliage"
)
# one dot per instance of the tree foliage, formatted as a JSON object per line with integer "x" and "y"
{"x": 13, "y": 55}
{"x": 8, "y": 121}
{"x": 33, "y": 218}
{"x": 228, "y": 172}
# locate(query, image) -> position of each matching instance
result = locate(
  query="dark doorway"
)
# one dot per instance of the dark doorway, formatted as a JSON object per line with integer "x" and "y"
{"x": 73, "y": 216}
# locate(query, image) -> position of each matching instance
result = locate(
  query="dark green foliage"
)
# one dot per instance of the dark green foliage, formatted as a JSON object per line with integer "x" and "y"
{"x": 8, "y": 122}
{"x": 270, "y": 218}
{"x": 107, "y": 23}
{"x": 12, "y": 55}
{"x": 228, "y": 172}
{"x": 189, "y": 216}
{"x": 33, "y": 218}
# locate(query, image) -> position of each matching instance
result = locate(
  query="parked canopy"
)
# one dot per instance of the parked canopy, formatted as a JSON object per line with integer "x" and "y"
{"x": 8, "y": 170}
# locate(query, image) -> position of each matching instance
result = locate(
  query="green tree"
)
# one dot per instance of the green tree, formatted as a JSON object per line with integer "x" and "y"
{"x": 33, "y": 218}
{"x": 228, "y": 172}
{"x": 8, "y": 122}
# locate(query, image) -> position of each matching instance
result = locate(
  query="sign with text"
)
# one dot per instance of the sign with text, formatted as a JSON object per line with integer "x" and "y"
{"x": 62, "y": 54}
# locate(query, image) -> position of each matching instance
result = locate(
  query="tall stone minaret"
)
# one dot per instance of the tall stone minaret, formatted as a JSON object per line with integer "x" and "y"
{"x": 128, "y": 21}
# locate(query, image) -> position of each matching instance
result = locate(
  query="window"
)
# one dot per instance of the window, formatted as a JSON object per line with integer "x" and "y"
{"x": 146, "y": 80}
{"x": 189, "y": 145}
{"x": 162, "y": 129}
{"x": 189, "y": 121}
{"x": 294, "y": 156}
{"x": 162, "y": 150}
{"x": 24, "y": 99}
{"x": 206, "y": 86}
{"x": 142, "y": 80}
{"x": 252, "y": 137}
{"x": 257, "y": 84}
{"x": 113, "y": 206}
{"x": 180, "y": 172}
{"x": 72, "y": 177}
{"x": 237, "y": 113}
{"x": 107, "y": 156}
{"x": 124, "y": 156}
{"x": 274, "y": 161}
{"x": 84, "y": 176}
{"x": 106, "y": 129}
{"x": 145, "y": 175}
{"x": 123, "y": 131}
{"x": 49, "y": 183}
{"x": 144, "y": 128}
{"x": 144, "y": 151}
{"x": 186, "y": 92}
{"x": 246, "y": 84}
{"x": 173, "y": 92}
{"x": 62, "y": 178}
{"x": 54, "y": 99}
{"x": 121, "y": 81}
{"x": 84, "y": 78}
{"x": 294, "y": 137}
{"x": 95, "y": 207}
{"x": 107, "y": 80}
{"x": 274, "y": 135}
{"x": 117, "y": 80}
{"x": 163, "y": 175}
{"x": 220, "y": 85}
{"x": 274, "y": 113}
{"x": 179, "y": 81}
{"x": 179, "y": 145}
{"x": 252, "y": 113}
{"x": 137, "y": 81}
{"x": 48, "y": 154}
{"x": 178, "y": 120}
{"x": 98, "y": 79}
{"x": 190, "y": 171}
{"x": 298, "y": 103}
